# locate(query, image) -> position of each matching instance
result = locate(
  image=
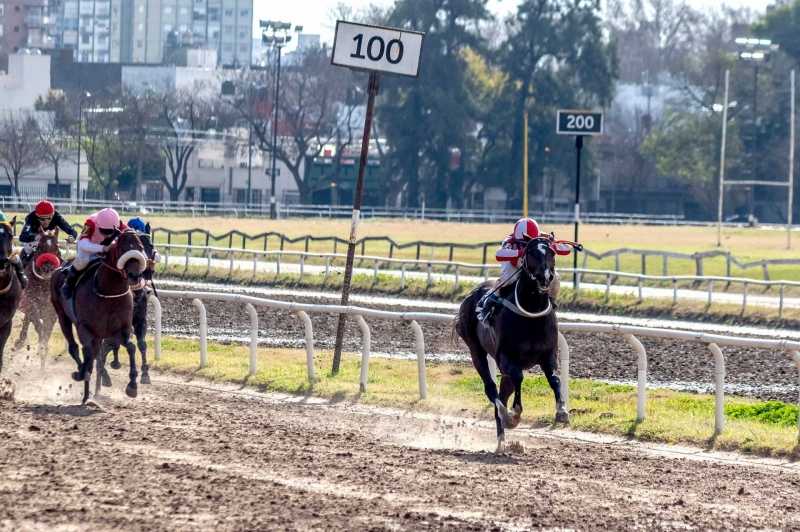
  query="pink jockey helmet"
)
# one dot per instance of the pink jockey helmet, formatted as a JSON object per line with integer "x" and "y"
{"x": 526, "y": 226}
{"x": 107, "y": 219}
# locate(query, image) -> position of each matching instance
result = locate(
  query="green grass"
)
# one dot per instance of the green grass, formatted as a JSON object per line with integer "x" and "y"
{"x": 453, "y": 389}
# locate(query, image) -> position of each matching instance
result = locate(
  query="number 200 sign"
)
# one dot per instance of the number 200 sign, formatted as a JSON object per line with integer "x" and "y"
{"x": 374, "y": 48}
{"x": 579, "y": 122}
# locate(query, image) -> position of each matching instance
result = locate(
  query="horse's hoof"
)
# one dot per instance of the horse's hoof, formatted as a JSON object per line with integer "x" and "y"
{"x": 76, "y": 376}
{"x": 562, "y": 417}
{"x": 131, "y": 391}
{"x": 115, "y": 364}
{"x": 105, "y": 380}
{"x": 512, "y": 421}
{"x": 145, "y": 379}
{"x": 501, "y": 447}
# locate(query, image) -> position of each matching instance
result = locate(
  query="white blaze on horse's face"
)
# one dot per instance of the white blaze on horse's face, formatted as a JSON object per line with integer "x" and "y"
{"x": 542, "y": 248}
{"x": 547, "y": 275}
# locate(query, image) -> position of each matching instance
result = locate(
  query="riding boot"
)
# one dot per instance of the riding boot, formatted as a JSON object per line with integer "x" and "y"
{"x": 68, "y": 290}
{"x": 487, "y": 305}
{"x": 23, "y": 279}
{"x": 26, "y": 258}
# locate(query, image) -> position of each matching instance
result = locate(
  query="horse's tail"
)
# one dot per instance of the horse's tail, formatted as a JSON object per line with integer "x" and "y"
{"x": 454, "y": 336}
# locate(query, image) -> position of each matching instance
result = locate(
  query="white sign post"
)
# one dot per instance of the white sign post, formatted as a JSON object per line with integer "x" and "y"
{"x": 375, "y": 50}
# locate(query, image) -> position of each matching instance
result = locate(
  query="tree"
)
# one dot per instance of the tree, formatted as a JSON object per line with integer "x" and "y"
{"x": 141, "y": 112}
{"x": 53, "y": 140}
{"x": 108, "y": 153}
{"x": 310, "y": 100}
{"x": 19, "y": 147}
{"x": 428, "y": 121}
{"x": 185, "y": 115}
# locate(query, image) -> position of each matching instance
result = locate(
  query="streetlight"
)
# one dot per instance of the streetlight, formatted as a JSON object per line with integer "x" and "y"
{"x": 275, "y": 34}
{"x": 83, "y": 97}
{"x": 754, "y": 52}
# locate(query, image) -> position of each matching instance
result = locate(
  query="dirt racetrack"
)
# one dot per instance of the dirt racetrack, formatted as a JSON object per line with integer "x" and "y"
{"x": 191, "y": 456}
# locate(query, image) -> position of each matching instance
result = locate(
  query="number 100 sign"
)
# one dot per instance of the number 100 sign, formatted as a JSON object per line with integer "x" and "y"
{"x": 374, "y": 48}
{"x": 579, "y": 122}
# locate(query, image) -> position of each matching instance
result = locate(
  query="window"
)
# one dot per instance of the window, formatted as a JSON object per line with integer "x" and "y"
{"x": 16, "y": 8}
{"x": 244, "y": 12}
{"x": 183, "y": 28}
{"x": 190, "y": 194}
{"x": 102, "y": 41}
{"x": 242, "y": 34}
{"x": 1, "y": 30}
{"x": 228, "y": 30}
{"x": 228, "y": 47}
{"x": 213, "y": 13}
{"x": 141, "y": 9}
{"x": 168, "y": 10}
{"x": 141, "y": 27}
{"x": 86, "y": 38}
{"x": 207, "y": 195}
{"x": 58, "y": 191}
{"x": 229, "y": 12}
{"x": 243, "y": 48}
{"x": 167, "y": 27}
{"x": 1, "y": 10}
{"x": 5, "y": 190}
{"x": 139, "y": 43}
{"x": 16, "y": 29}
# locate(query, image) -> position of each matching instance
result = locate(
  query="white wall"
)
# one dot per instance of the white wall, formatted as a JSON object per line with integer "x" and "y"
{"x": 28, "y": 77}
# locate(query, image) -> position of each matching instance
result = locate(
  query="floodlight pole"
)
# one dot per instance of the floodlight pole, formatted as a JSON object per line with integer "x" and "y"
{"x": 722, "y": 160}
{"x": 374, "y": 85}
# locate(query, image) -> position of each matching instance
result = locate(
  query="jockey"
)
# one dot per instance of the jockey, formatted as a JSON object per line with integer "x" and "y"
{"x": 140, "y": 226}
{"x": 511, "y": 250}
{"x": 15, "y": 260}
{"x": 99, "y": 232}
{"x": 45, "y": 217}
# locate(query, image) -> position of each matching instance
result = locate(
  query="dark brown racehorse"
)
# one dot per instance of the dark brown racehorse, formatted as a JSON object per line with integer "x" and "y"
{"x": 522, "y": 334}
{"x": 10, "y": 289}
{"x": 140, "y": 295}
{"x": 102, "y": 307}
{"x": 36, "y": 298}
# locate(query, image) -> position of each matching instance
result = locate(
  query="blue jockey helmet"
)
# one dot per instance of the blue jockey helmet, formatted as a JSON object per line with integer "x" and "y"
{"x": 137, "y": 224}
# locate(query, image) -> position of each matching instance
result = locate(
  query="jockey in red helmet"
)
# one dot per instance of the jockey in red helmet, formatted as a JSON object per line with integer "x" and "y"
{"x": 511, "y": 250}
{"x": 46, "y": 218}
{"x": 99, "y": 232}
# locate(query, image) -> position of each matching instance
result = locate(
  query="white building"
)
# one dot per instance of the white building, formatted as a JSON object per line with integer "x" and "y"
{"x": 27, "y": 78}
{"x": 214, "y": 177}
{"x": 163, "y": 79}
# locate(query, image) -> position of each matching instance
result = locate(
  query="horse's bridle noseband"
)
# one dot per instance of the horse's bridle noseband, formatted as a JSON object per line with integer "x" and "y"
{"x": 524, "y": 264}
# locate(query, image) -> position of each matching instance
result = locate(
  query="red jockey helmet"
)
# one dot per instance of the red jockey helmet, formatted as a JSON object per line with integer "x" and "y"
{"x": 45, "y": 208}
{"x": 526, "y": 226}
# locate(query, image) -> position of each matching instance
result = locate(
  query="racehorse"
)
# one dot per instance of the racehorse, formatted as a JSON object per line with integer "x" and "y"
{"x": 102, "y": 306}
{"x": 10, "y": 288}
{"x": 522, "y": 334}
{"x": 140, "y": 295}
{"x": 45, "y": 260}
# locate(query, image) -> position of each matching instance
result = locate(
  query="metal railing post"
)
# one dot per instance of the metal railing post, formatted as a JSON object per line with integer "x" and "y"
{"x": 366, "y": 343}
{"x": 719, "y": 392}
{"x": 157, "y": 326}
{"x": 253, "y": 337}
{"x": 420, "y": 341}
{"x": 563, "y": 349}
{"x": 203, "y": 331}
{"x": 309, "y": 337}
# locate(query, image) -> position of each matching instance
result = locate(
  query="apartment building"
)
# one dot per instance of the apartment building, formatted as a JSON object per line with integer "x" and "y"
{"x": 145, "y": 31}
{"x": 22, "y": 25}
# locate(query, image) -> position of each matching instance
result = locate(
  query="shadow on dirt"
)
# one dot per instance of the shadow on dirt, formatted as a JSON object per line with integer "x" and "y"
{"x": 479, "y": 457}
{"x": 65, "y": 410}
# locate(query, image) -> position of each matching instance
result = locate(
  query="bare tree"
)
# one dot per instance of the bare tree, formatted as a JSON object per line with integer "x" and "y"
{"x": 185, "y": 116}
{"x": 19, "y": 147}
{"x": 312, "y": 98}
{"x": 108, "y": 152}
{"x": 141, "y": 112}
{"x": 53, "y": 140}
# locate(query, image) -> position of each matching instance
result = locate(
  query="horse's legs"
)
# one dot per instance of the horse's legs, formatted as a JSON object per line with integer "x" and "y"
{"x": 102, "y": 379}
{"x": 548, "y": 366}
{"x": 5, "y": 332}
{"x": 510, "y": 382}
{"x": 74, "y": 350}
{"x": 115, "y": 363}
{"x": 48, "y": 322}
{"x": 91, "y": 347}
{"x": 481, "y": 364}
{"x": 23, "y": 334}
{"x": 140, "y": 327}
{"x": 131, "y": 390}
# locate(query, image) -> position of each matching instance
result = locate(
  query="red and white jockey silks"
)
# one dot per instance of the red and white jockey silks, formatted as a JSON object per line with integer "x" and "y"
{"x": 511, "y": 251}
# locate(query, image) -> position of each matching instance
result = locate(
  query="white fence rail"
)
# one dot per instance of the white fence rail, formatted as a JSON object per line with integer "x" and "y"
{"x": 399, "y": 268}
{"x": 630, "y": 334}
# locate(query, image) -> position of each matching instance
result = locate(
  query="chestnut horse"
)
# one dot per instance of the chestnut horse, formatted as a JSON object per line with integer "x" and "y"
{"x": 36, "y": 298}
{"x": 10, "y": 289}
{"x": 521, "y": 334}
{"x": 102, "y": 307}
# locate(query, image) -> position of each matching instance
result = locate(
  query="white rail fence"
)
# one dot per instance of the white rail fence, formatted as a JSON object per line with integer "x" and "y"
{"x": 630, "y": 334}
{"x": 400, "y": 268}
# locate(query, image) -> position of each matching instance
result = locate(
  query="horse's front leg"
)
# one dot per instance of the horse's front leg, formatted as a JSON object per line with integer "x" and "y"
{"x": 91, "y": 347}
{"x": 140, "y": 328}
{"x": 115, "y": 363}
{"x": 549, "y": 367}
{"x": 511, "y": 382}
{"x": 131, "y": 390}
{"x": 103, "y": 378}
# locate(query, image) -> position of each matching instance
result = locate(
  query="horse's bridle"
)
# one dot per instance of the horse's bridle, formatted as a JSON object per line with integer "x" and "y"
{"x": 523, "y": 264}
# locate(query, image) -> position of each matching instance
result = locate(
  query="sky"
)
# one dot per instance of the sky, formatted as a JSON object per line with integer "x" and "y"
{"x": 314, "y": 14}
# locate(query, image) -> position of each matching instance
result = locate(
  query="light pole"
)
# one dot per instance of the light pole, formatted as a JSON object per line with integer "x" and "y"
{"x": 754, "y": 52}
{"x": 83, "y": 97}
{"x": 275, "y": 34}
